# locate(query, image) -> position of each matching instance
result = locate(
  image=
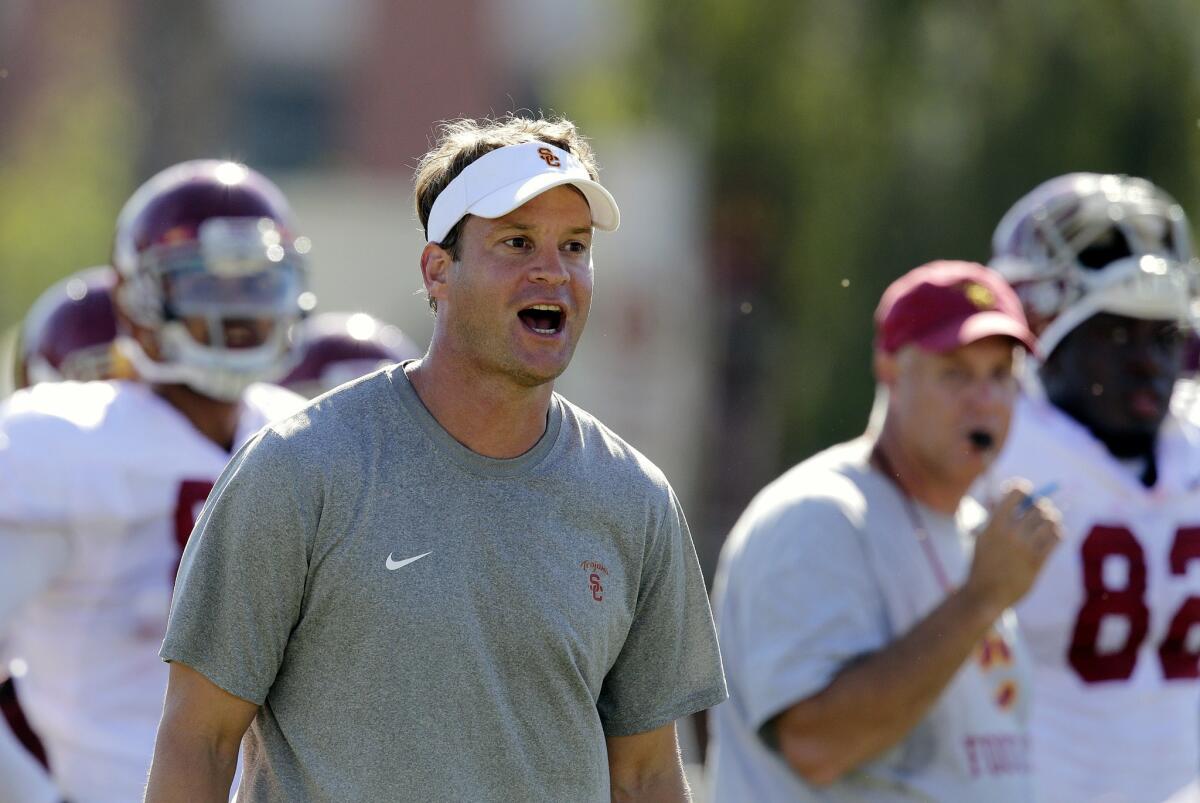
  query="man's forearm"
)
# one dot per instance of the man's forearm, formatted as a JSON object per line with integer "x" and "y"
{"x": 188, "y": 768}
{"x": 669, "y": 788}
{"x": 646, "y": 767}
{"x": 195, "y": 754}
{"x": 874, "y": 703}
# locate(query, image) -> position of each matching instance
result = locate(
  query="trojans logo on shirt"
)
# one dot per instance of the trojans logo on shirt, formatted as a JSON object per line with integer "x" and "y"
{"x": 598, "y": 573}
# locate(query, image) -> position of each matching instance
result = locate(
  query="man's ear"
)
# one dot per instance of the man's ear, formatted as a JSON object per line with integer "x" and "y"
{"x": 435, "y": 270}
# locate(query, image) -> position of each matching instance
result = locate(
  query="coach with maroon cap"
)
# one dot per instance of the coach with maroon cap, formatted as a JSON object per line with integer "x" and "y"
{"x": 862, "y": 599}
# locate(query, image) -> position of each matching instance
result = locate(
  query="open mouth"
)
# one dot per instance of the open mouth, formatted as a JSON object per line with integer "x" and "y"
{"x": 544, "y": 319}
{"x": 981, "y": 440}
{"x": 244, "y": 333}
{"x": 1146, "y": 403}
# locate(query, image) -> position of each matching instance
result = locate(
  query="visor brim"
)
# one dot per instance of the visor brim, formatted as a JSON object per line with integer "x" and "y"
{"x": 605, "y": 215}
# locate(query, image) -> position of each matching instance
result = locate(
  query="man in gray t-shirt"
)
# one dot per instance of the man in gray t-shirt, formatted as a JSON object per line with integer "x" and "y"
{"x": 869, "y": 651}
{"x": 443, "y": 581}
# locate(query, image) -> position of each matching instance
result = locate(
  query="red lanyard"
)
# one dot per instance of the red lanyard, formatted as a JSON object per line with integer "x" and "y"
{"x": 914, "y": 518}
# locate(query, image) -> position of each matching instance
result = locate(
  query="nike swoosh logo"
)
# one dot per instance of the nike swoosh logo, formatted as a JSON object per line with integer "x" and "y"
{"x": 393, "y": 565}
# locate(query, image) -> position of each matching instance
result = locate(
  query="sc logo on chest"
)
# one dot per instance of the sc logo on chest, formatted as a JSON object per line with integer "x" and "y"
{"x": 595, "y": 584}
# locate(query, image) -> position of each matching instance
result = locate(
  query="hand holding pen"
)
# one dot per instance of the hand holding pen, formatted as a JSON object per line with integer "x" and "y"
{"x": 1014, "y": 545}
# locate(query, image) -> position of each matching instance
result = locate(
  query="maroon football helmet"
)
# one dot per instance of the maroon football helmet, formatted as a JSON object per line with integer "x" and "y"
{"x": 69, "y": 331}
{"x": 213, "y": 273}
{"x": 337, "y": 347}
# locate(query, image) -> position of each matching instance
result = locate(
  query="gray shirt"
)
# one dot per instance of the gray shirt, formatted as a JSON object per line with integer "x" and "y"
{"x": 419, "y": 622}
{"x": 826, "y": 566}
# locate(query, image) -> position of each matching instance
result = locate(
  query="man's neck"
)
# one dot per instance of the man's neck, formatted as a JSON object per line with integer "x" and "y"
{"x": 489, "y": 414}
{"x": 214, "y": 419}
{"x": 913, "y": 479}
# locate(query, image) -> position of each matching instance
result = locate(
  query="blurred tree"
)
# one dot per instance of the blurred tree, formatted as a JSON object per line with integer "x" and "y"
{"x": 66, "y": 145}
{"x": 848, "y": 142}
{"x": 183, "y": 82}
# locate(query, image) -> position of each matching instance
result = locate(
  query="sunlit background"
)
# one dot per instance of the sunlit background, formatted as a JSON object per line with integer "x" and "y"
{"x": 777, "y": 164}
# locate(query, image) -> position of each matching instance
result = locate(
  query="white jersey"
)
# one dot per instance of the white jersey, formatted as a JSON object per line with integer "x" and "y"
{"x": 117, "y": 475}
{"x": 1111, "y": 622}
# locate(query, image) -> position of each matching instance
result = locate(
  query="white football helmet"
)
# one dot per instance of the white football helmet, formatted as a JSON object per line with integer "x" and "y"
{"x": 1085, "y": 243}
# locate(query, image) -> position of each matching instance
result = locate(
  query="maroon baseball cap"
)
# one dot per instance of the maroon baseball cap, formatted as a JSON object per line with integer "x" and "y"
{"x": 946, "y": 304}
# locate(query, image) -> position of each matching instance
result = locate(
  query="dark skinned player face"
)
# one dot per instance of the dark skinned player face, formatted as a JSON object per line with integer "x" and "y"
{"x": 1114, "y": 375}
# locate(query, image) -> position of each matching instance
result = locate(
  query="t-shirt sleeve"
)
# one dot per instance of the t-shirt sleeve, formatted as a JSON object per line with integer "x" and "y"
{"x": 241, "y": 581}
{"x": 799, "y": 601}
{"x": 669, "y": 665}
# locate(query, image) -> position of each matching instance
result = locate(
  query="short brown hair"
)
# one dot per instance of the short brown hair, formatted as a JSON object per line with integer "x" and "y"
{"x": 461, "y": 142}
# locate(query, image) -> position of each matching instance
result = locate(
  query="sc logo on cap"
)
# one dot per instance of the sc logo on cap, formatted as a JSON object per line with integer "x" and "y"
{"x": 979, "y": 295}
{"x": 548, "y": 157}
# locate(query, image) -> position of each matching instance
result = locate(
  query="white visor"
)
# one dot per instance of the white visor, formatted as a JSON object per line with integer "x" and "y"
{"x": 501, "y": 180}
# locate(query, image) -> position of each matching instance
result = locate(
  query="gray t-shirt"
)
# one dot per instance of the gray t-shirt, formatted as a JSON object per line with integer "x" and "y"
{"x": 826, "y": 566}
{"x": 422, "y": 623}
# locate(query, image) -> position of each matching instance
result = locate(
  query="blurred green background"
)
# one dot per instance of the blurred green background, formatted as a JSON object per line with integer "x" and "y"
{"x": 830, "y": 146}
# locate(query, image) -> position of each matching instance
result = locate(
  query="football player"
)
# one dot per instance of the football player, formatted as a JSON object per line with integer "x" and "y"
{"x": 336, "y": 347}
{"x": 1102, "y": 266}
{"x": 101, "y": 481}
{"x": 70, "y": 332}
